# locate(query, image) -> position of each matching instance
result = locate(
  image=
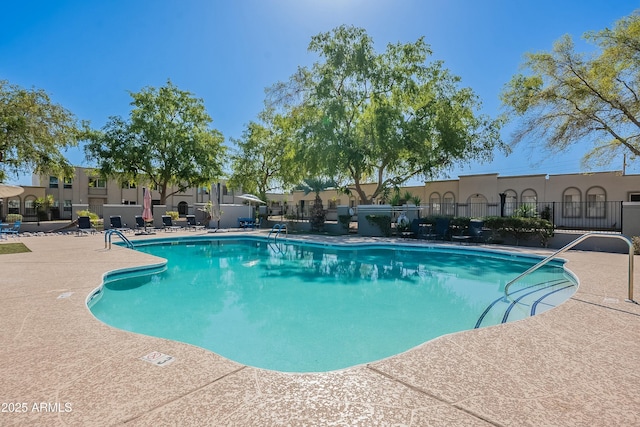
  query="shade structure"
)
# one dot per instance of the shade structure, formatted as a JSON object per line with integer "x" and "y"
{"x": 251, "y": 199}
{"x": 7, "y": 190}
{"x": 147, "y": 214}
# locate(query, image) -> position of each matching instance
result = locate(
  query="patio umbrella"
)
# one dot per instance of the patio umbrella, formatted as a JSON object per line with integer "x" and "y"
{"x": 7, "y": 190}
{"x": 147, "y": 215}
{"x": 251, "y": 198}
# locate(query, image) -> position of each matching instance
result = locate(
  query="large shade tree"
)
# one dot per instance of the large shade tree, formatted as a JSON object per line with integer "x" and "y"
{"x": 564, "y": 97}
{"x": 383, "y": 117}
{"x": 166, "y": 142}
{"x": 264, "y": 158}
{"x": 34, "y": 132}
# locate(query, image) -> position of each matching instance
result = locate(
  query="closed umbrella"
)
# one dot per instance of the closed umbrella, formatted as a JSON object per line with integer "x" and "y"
{"x": 147, "y": 214}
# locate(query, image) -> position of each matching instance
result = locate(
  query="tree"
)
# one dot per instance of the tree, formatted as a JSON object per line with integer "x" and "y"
{"x": 166, "y": 142}
{"x": 33, "y": 131}
{"x": 569, "y": 97}
{"x": 366, "y": 117}
{"x": 316, "y": 185}
{"x": 265, "y": 158}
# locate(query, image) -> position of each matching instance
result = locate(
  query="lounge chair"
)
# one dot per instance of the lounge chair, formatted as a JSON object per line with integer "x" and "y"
{"x": 441, "y": 230}
{"x": 13, "y": 231}
{"x": 473, "y": 233}
{"x": 116, "y": 224}
{"x": 477, "y": 231}
{"x": 85, "y": 227}
{"x": 192, "y": 224}
{"x": 167, "y": 224}
{"x": 139, "y": 222}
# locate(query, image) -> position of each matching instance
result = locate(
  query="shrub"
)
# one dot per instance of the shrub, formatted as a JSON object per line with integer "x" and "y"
{"x": 173, "y": 214}
{"x": 382, "y": 221}
{"x": 636, "y": 244}
{"x": 93, "y": 217}
{"x": 521, "y": 228}
{"x": 344, "y": 220}
{"x": 14, "y": 217}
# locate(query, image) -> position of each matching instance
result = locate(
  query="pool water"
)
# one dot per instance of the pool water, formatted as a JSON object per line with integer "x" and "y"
{"x": 307, "y": 308}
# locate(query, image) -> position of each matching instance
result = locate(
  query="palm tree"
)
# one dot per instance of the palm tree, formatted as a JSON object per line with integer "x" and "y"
{"x": 317, "y": 213}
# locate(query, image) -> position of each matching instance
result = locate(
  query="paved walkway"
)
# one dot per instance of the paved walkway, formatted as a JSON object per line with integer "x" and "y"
{"x": 576, "y": 365}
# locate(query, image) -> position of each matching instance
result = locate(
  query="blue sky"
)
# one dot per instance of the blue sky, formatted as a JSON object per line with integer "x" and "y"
{"x": 89, "y": 55}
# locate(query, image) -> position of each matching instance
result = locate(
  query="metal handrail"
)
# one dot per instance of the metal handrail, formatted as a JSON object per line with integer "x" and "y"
{"x": 279, "y": 228}
{"x": 110, "y": 232}
{"x": 572, "y": 244}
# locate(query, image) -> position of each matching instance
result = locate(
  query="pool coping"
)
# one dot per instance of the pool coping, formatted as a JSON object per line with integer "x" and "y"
{"x": 574, "y": 365}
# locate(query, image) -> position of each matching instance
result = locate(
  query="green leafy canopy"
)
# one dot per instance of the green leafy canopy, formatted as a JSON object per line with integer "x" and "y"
{"x": 166, "y": 142}
{"x": 362, "y": 116}
{"x": 564, "y": 97}
{"x": 33, "y": 132}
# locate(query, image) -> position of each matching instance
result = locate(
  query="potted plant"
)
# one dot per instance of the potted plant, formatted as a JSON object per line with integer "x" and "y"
{"x": 42, "y": 205}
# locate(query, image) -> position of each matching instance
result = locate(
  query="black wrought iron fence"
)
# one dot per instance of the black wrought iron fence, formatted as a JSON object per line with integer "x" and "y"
{"x": 594, "y": 215}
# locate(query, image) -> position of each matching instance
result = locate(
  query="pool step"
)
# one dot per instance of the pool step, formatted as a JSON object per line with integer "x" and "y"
{"x": 525, "y": 302}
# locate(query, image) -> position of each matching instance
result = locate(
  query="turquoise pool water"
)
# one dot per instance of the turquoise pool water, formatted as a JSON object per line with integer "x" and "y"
{"x": 307, "y": 308}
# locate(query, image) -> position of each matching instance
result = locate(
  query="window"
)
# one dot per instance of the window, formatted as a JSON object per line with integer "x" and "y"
{"x": 596, "y": 198}
{"x": 449, "y": 204}
{"x": 434, "y": 203}
{"x": 67, "y": 183}
{"x": 634, "y": 197}
{"x": 477, "y": 206}
{"x": 571, "y": 203}
{"x": 510, "y": 202}
{"x": 30, "y": 206}
{"x": 98, "y": 183}
{"x": 13, "y": 206}
{"x": 66, "y": 206}
{"x": 126, "y": 185}
{"x": 333, "y": 203}
{"x": 53, "y": 182}
{"x": 529, "y": 197}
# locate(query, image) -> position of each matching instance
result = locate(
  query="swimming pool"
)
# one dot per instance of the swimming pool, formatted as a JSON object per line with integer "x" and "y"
{"x": 300, "y": 307}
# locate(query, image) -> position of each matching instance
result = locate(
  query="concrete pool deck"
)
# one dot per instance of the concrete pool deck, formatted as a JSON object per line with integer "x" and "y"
{"x": 575, "y": 365}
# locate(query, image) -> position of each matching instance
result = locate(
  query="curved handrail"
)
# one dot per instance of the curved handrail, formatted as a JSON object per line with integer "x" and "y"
{"x": 118, "y": 233}
{"x": 572, "y": 244}
{"x": 279, "y": 228}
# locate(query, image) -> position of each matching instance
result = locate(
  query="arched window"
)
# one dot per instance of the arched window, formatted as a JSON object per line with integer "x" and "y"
{"x": 434, "y": 203}
{"x": 449, "y": 203}
{"x": 13, "y": 206}
{"x": 571, "y": 203}
{"x": 529, "y": 207}
{"x": 596, "y": 206}
{"x": 477, "y": 205}
{"x": 30, "y": 206}
{"x": 183, "y": 208}
{"x": 510, "y": 202}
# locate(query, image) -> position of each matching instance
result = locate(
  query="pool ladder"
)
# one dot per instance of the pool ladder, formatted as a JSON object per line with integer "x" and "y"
{"x": 111, "y": 232}
{"x": 277, "y": 229}
{"x": 572, "y": 244}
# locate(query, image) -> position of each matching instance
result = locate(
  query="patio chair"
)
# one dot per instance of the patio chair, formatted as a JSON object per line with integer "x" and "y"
{"x": 192, "y": 224}
{"x": 441, "y": 230}
{"x": 167, "y": 224}
{"x": 139, "y": 222}
{"x": 116, "y": 224}
{"x": 84, "y": 226}
{"x": 477, "y": 232}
